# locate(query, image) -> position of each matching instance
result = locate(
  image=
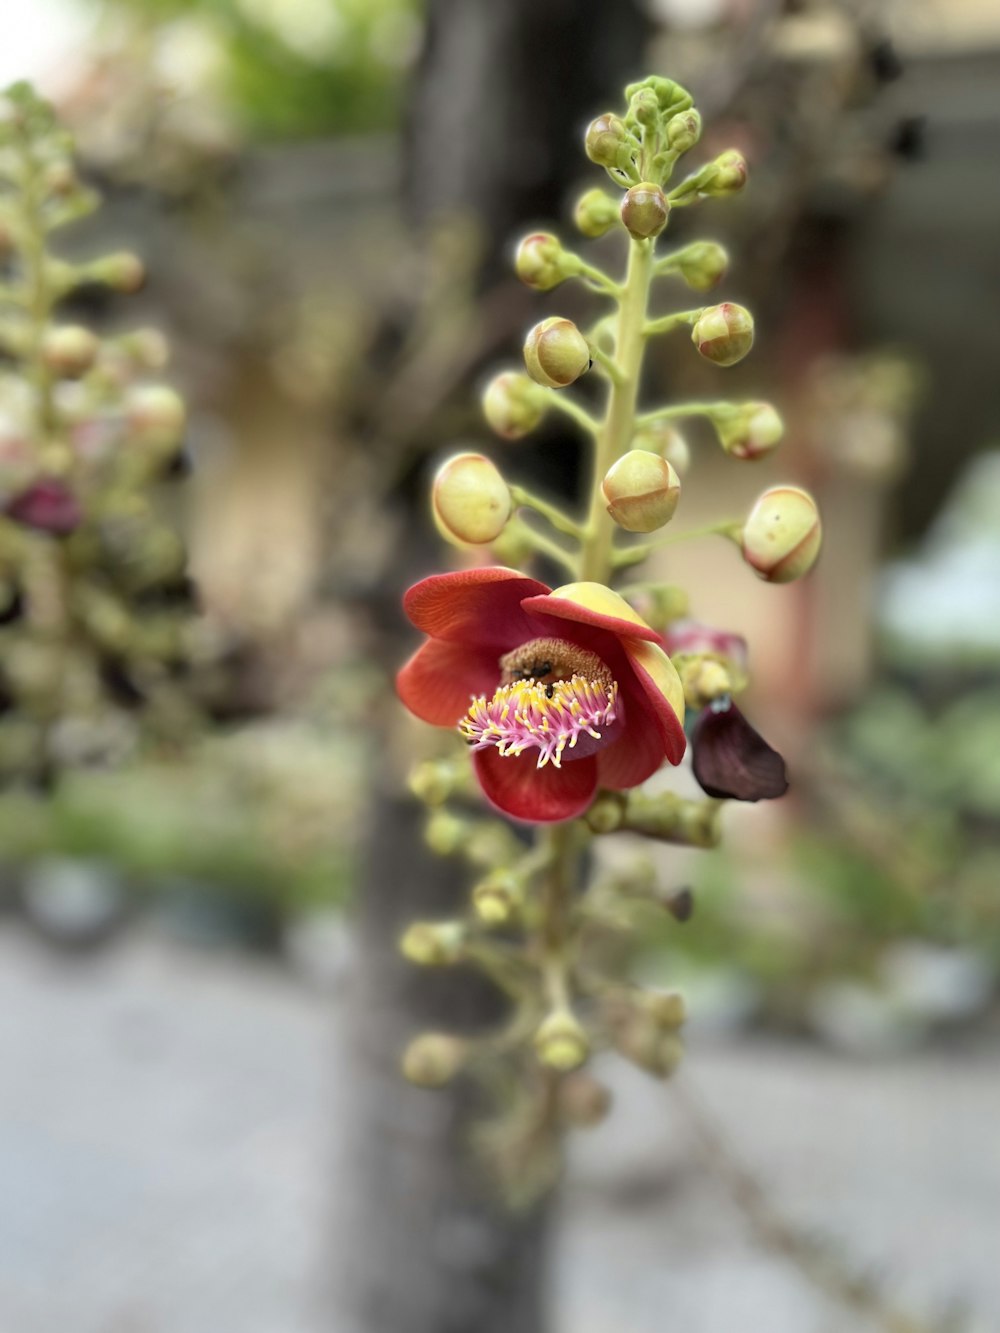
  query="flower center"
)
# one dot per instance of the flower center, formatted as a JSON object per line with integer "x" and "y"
{"x": 551, "y": 694}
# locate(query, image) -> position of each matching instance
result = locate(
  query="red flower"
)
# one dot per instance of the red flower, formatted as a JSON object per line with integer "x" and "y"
{"x": 558, "y": 692}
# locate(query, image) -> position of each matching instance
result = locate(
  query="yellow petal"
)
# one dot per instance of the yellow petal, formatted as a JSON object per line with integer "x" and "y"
{"x": 596, "y": 597}
{"x": 661, "y": 671}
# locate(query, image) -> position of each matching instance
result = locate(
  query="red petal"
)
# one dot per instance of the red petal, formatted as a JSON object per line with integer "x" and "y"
{"x": 638, "y": 753}
{"x": 440, "y": 679}
{"x": 480, "y": 606}
{"x": 566, "y": 608}
{"x": 518, "y": 787}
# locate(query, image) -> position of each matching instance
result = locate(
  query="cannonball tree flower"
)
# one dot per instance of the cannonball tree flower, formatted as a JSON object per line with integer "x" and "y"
{"x": 729, "y": 758}
{"x": 557, "y": 692}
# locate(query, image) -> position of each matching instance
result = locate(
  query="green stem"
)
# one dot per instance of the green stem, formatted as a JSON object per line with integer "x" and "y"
{"x": 680, "y": 410}
{"x": 557, "y": 898}
{"x": 618, "y": 426}
{"x": 561, "y": 401}
{"x": 634, "y": 555}
{"x": 667, "y": 323}
{"x": 560, "y": 521}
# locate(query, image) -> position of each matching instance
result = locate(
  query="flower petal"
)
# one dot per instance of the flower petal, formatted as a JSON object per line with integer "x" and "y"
{"x": 638, "y": 753}
{"x": 440, "y": 679}
{"x": 664, "y": 692}
{"x": 515, "y": 785}
{"x": 731, "y": 759}
{"x": 477, "y": 606}
{"x": 592, "y": 604}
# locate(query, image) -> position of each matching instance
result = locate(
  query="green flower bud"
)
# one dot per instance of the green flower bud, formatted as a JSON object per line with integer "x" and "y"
{"x": 782, "y": 535}
{"x": 642, "y": 490}
{"x": 556, "y": 353}
{"x": 122, "y": 272}
{"x": 606, "y": 139}
{"x": 433, "y": 943}
{"x": 667, "y": 1009}
{"x": 667, "y": 441}
{"x": 723, "y": 333}
{"x": 497, "y": 897}
{"x": 513, "y": 405}
{"x": 433, "y": 781}
{"x": 561, "y": 1042}
{"x": 446, "y": 833}
{"x": 731, "y": 174}
{"x": 156, "y": 415}
{"x": 702, "y": 265}
{"x": 433, "y": 1059}
{"x": 657, "y": 603}
{"x": 644, "y": 211}
{"x": 639, "y": 1037}
{"x": 606, "y": 813}
{"x": 596, "y": 213}
{"x": 582, "y": 1101}
{"x": 69, "y": 351}
{"x": 749, "y": 431}
{"x": 645, "y": 106}
{"x": 704, "y": 679}
{"x": 683, "y": 131}
{"x": 539, "y": 261}
{"x": 471, "y": 499}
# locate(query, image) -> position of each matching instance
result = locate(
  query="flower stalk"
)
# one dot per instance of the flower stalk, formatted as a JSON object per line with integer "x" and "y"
{"x": 575, "y": 698}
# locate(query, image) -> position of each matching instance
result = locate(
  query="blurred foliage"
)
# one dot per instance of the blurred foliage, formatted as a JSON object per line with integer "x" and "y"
{"x": 268, "y": 813}
{"x": 293, "y": 68}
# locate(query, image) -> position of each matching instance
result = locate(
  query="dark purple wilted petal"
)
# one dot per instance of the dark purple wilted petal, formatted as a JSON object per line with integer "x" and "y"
{"x": 49, "y": 506}
{"x": 731, "y": 759}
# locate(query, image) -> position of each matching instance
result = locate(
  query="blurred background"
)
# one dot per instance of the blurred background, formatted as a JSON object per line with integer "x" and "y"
{"x": 200, "y": 1006}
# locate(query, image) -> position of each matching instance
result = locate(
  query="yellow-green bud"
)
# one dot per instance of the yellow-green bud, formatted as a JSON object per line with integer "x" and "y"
{"x": 749, "y": 431}
{"x": 683, "y": 131}
{"x": 702, "y": 265}
{"x": 642, "y": 490}
{"x": 446, "y": 833}
{"x": 704, "y": 679}
{"x": 156, "y": 415}
{"x": 433, "y": 1059}
{"x": 641, "y": 1039}
{"x": 782, "y": 535}
{"x": 605, "y": 140}
{"x": 122, "y": 272}
{"x": 497, "y": 897}
{"x": 540, "y": 261}
{"x": 644, "y": 210}
{"x": 513, "y": 405}
{"x": 723, "y": 333}
{"x": 471, "y": 499}
{"x": 606, "y": 813}
{"x": 667, "y": 1008}
{"x": 561, "y": 1042}
{"x": 596, "y": 213}
{"x": 433, "y": 943}
{"x": 666, "y": 440}
{"x": 657, "y": 603}
{"x": 556, "y": 353}
{"x": 69, "y": 351}
{"x": 582, "y": 1101}
{"x": 731, "y": 173}
{"x": 434, "y": 781}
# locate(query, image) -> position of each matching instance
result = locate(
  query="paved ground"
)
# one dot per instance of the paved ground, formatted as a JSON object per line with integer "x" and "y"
{"x": 165, "y": 1118}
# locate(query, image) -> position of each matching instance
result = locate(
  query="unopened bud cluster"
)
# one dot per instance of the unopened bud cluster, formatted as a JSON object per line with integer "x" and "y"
{"x": 96, "y": 601}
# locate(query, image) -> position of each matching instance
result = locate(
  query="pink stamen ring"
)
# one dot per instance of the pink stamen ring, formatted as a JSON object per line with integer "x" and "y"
{"x": 551, "y": 717}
